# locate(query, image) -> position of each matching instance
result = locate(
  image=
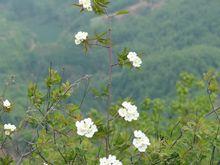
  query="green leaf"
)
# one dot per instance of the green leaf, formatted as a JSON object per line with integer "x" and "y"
{"x": 53, "y": 78}
{"x": 122, "y": 12}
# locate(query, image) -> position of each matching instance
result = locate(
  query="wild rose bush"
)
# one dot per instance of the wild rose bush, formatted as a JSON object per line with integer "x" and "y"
{"x": 184, "y": 130}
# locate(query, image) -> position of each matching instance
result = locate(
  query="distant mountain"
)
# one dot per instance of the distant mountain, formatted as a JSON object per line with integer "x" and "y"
{"x": 173, "y": 35}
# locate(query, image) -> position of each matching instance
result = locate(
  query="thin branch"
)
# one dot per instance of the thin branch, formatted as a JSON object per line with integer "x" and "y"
{"x": 96, "y": 44}
{"x": 85, "y": 93}
{"x": 115, "y": 64}
{"x": 214, "y": 147}
{"x": 62, "y": 155}
{"x": 213, "y": 111}
{"x": 48, "y": 96}
{"x": 213, "y": 108}
{"x": 171, "y": 133}
{"x": 178, "y": 138}
{"x": 217, "y": 132}
{"x": 55, "y": 142}
{"x": 109, "y": 99}
{"x": 44, "y": 159}
{"x": 24, "y": 155}
{"x": 4, "y": 141}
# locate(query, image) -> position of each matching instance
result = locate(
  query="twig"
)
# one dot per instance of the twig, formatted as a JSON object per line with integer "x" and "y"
{"x": 171, "y": 133}
{"x": 85, "y": 93}
{"x": 213, "y": 108}
{"x": 24, "y": 155}
{"x": 179, "y": 137}
{"x": 115, "y": 64}
{"x": 44, "y": 159}
{"x": 109, "y": 99}
{"x": 48, "y": 96}
{"x": 95, "y": 44}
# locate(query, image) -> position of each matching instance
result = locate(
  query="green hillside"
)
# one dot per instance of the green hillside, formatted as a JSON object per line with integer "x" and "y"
{"x": 174, "y": 36}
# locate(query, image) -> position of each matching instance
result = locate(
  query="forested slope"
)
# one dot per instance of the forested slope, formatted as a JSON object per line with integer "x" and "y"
{"x": 175, "y": 36}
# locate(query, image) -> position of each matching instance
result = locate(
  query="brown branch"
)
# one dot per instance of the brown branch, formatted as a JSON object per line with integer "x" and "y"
{"x": 109, "y": 99}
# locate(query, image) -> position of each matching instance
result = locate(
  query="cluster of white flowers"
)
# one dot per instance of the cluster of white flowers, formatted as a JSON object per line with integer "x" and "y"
{"x": 111, "y": 160}
{"x": 86, "y": 128}
{"x": 7, "y": 104}
{"x": 140, "y": 141}
{"x": 134, "y": 59}
{"x": 80, "y": 37}
{"x": 9, "y": 128}
{"x": 86, "y": 4}
{"x": 128, "y": 111}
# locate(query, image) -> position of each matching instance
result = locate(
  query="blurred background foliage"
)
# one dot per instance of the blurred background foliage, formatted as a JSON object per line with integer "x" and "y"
{"x": 173, "y": 36}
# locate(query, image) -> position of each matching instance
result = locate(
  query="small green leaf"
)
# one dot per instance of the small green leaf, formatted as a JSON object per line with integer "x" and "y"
{"x": 122, "y": 12}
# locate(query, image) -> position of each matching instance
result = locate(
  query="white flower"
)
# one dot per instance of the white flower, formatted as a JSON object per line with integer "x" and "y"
{"x": 134, "y": 59}
{"x": 80, "y": 37}
{"x": 86, "y": 4}
{"x": 137, "y": 62}
{"x": 141, "y": 141}
{"x": 6, "y": 104}
{"x": 86, "y": 128}
{"x": 111, "y": 160}
{"x": 128, "y": 111}
{"x": 45, "y": 164}
{"x": 9, "y": 128}
{"x": 131, "y": 56}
